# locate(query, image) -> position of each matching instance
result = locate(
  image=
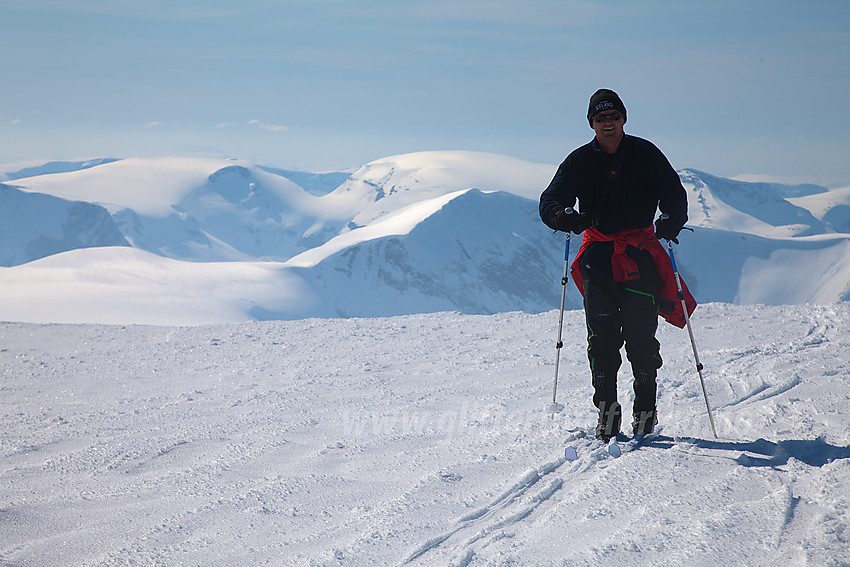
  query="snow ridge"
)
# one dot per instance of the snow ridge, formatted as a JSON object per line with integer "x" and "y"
{"x": 422, "y": 232}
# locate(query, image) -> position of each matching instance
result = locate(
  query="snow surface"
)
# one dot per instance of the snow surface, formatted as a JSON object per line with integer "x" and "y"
{"x": 419, "y": 440}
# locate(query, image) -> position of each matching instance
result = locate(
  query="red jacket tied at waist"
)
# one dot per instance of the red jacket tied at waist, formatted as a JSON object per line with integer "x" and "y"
{"x": 626, "y": 269}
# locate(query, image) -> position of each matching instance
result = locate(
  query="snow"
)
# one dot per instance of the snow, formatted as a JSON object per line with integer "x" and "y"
{"x": 753, "y": 208}
{"x": 122, "y": 285}
{"x": 397, "y": 181}
{"x": 38, "y": 225}
{"x": 33, "y": 168}
{"x": 397, "y": 223}
{"x": 178, "y": 386}
{"x": 780, "y": 278}
{"x": 146, "y": 185}
{"x": 413, "y": 233}
{"x": 832, "y": 206}
{"x": 419, "y": 440}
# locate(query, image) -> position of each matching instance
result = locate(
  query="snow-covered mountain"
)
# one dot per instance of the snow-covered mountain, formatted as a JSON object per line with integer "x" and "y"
{"x": 35, "y": 168}
{"x": 754, "y": 208}
{"x": 412, "y": 233}
{"x": 36, "y": 225}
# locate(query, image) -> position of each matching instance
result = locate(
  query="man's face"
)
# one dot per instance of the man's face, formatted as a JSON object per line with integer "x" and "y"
{"x": 608, "y": 125}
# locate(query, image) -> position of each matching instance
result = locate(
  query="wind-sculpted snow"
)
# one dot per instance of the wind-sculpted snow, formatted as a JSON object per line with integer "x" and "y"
{"x": 420, "y": 440}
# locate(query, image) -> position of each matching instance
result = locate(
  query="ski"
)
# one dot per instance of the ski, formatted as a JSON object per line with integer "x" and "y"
{"x": 639, "y": 440}
{"x": 594, "y": 446}
{"x": 613, "y": 448}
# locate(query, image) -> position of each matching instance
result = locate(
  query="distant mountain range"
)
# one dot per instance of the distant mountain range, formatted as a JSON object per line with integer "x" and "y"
{"x": 421, "y": 232}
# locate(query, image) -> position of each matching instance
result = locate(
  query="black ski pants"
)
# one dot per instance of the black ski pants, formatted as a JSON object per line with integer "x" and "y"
{"x": 620, "y": 313}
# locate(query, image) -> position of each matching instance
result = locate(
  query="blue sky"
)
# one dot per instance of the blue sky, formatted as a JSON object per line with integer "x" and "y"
{"x": 729, "y": 87}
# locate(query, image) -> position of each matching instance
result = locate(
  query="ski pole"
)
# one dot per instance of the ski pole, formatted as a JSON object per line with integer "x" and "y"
{"x": 691, "y": 334}
{"x": 556, "y": 407}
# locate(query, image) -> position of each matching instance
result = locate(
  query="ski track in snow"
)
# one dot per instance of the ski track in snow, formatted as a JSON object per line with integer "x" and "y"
{"x": 419, "y": 440}
{"x": 510, "y": 508}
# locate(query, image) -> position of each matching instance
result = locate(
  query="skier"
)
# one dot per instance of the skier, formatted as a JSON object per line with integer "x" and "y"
{"x": 622, "y": 269}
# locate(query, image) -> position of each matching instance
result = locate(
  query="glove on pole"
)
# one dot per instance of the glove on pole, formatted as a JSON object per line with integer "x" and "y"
{"x": 556, "y": 407}
{"x": 691, "y": 334}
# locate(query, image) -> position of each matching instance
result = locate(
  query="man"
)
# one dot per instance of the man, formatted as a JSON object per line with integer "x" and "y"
{"x": 623, "y": 271}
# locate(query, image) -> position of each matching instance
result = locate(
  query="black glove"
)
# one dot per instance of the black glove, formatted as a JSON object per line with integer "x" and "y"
{"x": 666, "y": 229}
{"x": 575, "y": 222}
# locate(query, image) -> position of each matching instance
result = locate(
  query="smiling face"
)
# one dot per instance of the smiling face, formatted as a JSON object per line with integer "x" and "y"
{"x": 608, "y": 126}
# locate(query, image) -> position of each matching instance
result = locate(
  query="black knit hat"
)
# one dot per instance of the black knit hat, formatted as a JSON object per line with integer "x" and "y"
{"x": 604, "y": 99}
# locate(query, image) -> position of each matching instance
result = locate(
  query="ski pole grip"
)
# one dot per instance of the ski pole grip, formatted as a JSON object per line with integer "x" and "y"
{"x": 569, "y": 211}
{"x": 665, "y": 216}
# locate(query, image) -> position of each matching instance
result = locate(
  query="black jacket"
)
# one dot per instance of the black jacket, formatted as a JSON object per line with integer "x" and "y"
{"x": 644, "y": 182}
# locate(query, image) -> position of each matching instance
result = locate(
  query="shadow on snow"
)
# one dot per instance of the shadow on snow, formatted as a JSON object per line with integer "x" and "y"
{"x": 814, "y": 452}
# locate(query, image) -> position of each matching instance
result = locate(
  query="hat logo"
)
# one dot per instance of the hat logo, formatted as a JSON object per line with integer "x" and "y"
{"x": 604, "y": 105}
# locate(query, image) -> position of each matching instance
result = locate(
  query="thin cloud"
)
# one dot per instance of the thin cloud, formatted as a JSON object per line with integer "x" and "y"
{"x": 15, "y": 121}
{"x": 154, "y": 124}
{"x": 269, "y": 127}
